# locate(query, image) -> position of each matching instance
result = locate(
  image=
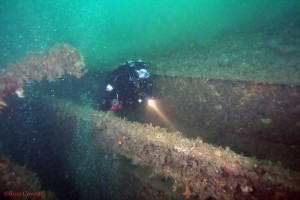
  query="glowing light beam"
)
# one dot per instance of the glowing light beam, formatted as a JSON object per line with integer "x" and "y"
{"x": 164, "y": 118}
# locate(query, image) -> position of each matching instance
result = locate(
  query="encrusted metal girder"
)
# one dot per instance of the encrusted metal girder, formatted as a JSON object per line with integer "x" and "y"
{"x": 204, "y": 170}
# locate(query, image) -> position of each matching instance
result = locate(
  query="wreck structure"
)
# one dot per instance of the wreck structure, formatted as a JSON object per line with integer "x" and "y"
{"x": 207, "y": 139}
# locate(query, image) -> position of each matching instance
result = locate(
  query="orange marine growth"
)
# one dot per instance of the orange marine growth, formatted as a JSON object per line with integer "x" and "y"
{"x": 188, "y": 192}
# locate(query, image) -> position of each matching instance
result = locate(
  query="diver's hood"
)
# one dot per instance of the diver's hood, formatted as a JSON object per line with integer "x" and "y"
{"x": 143, "y": 73}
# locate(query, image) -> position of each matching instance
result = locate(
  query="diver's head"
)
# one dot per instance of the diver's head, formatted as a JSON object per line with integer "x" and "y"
{"x": 143, "y": 73}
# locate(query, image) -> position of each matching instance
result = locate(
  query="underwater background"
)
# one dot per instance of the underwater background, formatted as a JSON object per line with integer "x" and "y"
{"x": 227, "y": 71}
{"x": 109, "y": 32}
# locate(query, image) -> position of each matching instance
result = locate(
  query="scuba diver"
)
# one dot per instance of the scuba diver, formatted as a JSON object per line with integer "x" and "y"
{"x": 130, "y": 84}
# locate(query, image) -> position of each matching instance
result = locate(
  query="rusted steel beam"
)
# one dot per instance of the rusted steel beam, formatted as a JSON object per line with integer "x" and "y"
{"x": 204, "y": 170}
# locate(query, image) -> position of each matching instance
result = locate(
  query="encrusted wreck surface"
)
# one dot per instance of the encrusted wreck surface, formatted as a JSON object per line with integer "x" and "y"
{"x": 202, "y": 169}
{"x": 51, "y": 65}
{"x": 253, "y": 118}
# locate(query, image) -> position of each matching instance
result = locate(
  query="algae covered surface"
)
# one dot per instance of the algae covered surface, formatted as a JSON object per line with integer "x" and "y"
{"x": 256, "y": 56}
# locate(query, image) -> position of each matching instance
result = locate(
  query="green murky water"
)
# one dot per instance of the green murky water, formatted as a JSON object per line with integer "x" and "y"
{"x": 214, "y": 38}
